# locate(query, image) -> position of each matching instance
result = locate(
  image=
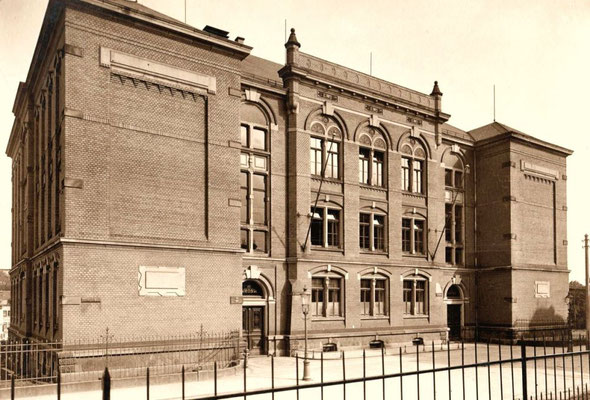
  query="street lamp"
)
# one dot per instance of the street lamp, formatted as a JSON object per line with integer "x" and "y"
{"x": 305, "y": 297}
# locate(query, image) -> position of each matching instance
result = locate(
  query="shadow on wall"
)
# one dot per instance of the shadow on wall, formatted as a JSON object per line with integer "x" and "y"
{"x": 543, "y": 318}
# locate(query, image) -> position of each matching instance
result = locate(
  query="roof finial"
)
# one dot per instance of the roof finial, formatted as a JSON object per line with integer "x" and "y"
{"x": 435, "y": 90}
{"x": 292, "y": 39}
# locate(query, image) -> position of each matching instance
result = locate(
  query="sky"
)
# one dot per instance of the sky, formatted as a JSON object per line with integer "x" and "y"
{"x": 536, "y": 53}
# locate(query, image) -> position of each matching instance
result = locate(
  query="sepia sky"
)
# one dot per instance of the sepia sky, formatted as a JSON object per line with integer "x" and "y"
{"x": 536, "y": 52}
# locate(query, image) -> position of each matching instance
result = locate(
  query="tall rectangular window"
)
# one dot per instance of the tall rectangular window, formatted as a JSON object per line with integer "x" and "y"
{"x": 379, "y": 297}
{"x": 332, "y": 166}
{"x": 317, "y": 297}
{"x": 377, "y": 169}
{"x": 379, "y": 232}
{"x": 408, "y": 296}
{"x": 316, "y": 156}
{"x": 333, "y": 228}
{"x": 333, "y": 306}
{"x": 244, "y": 197}
{"x": 259, "y": 199}
{"x": 317, "y": 226}
{"x": 364, "y": 231}
{"x": 417, "y": 178}
{"x": 364, "y": 156}
{"x": 420, "y": 297}
{"x": 406, "y": 235}
{"x": 405, "y": 179}
{"x": 419, "y": 236}
{"x": 365, "y": 297}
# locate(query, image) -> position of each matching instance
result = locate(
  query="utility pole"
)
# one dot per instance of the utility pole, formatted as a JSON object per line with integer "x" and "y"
{"x": 587, "y": 286}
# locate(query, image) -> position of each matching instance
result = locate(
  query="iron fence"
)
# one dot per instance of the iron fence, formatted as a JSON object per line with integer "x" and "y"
{"x": 34, "y": 363}
{"x": 544, "y": 366}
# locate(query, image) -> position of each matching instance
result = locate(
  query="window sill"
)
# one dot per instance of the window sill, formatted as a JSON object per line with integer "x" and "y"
{"x": 413, "y": 194}
{"x": 373, "y": 187}
{"x": 328, "y": 249}
{"x": 319, "y": 178}
{"x": 410, "y": 255}
{"x": 425, "y": 316}
{"x": 376, "y": 253}
{"x": 376, "y": 318}
{"x": 326, "y": 319}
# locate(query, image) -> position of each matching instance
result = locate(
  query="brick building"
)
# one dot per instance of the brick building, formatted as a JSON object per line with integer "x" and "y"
{"x": 164, "y": 179}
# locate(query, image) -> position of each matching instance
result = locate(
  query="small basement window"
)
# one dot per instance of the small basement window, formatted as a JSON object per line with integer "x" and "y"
{"x": 328, "y": 347}
{"x": 376, "y": 344}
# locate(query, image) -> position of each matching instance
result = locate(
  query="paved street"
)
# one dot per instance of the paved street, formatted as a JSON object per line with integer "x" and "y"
{"x": 259, "y": 373}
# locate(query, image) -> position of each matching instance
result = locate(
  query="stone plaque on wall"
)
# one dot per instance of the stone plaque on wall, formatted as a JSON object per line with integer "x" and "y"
{"x": 161, "y": 281}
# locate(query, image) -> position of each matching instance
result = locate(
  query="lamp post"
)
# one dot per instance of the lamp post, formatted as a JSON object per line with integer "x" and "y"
{"x": 305, "y": 296}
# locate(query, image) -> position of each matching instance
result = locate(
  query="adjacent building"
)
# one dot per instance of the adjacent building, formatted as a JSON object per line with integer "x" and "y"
{"x": 166, "y": 179}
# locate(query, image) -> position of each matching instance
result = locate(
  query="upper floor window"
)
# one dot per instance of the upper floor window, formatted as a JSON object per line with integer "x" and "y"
{"x": 453, "y": 171}
{"x": 327, "y": 291}
{"x": 372, "y": 158}
{"x": 372, "y": 232}
{"x": 414, "y": 235}
{"x": 254, "y": 214}
{"x": 413, "y": 167}
{"x": 325, "y": 149}
{"x": 415, "y": 295}
{"x": 325, "y": 227}
{"x": 374, "y": 295}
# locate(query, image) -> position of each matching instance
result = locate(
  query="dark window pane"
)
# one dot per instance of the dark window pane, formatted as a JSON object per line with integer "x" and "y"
{"x": 448, "y": 222}
{"x": 244, "y": 197}
{"x": 417, "y": 178}
{"x": 377, "y": 174}
{"x": 420, "y": 307}
{"x": 258, "y": 199}
{"x": 448, "y": 177}
{"x": 379, "y": 232}
{"x": 258, "y": 139}
{"x": 405, "y": 179}
{"x": 459, "y": 256}
{"x": 419, "y": 236}
{"x": 244, "y": 239}
{"x": 317, "y": 226}
{"x": 316, "y": 156}
{"x": 317, "y": 296}
{"x": 406, "y": 235}
{"x": 379, "y": 297}
{"x": 364, "y": 226}
{"x": 458, "y": 224}
{"x": 333, "y": 306}
{"x": 244, "y": 135}
{"x": 365, "y": 297}
{"x": 449, "y": 255}
{"x": 458, "y": 179}
{"x": 364, "y": 155}
{"x": 332, "y": 163}
{"x": 333, "y": 228}
{"x": 407, "y": 296}
{"x": 259, "y": 241}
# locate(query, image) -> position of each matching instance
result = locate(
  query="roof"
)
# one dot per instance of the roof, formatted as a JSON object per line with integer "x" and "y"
{"x": 259, "y": 67}
{"x": 498, "y": 130}
{"x": 451, "y": 130}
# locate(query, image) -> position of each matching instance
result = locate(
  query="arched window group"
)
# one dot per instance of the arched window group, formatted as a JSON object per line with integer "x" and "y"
{"x": 374, "y": 295}
{"x": 325, "y": 148}
{"x": 415, "y": 294}
{"x": 413, "y": 167}
{"x": 372, "y": 150}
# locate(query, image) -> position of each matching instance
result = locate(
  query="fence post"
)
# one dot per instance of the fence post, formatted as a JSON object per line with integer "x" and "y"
{"x": 147, "y": 383}
{"x": 183, "y": 381}
{"x": 58, "y": 384}
{"x": 106, "y": 385}
{"x": 12, "y": 386}
{"x": 523, "y": 366}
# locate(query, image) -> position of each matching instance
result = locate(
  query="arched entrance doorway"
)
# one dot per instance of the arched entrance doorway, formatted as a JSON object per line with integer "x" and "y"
{"x": 253, "y": 316}
{"x": 454, "y": 299}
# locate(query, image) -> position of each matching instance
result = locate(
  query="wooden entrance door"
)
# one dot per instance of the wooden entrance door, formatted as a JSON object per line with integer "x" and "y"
{"x": 253, "y": 327}
{"x": 454, "y": 321}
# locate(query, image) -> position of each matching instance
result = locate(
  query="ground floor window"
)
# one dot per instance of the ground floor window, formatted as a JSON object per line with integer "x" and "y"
{"x": 326, "y": 296}
{"x": 373, "y": 296}
{"x": 415, "y": 296}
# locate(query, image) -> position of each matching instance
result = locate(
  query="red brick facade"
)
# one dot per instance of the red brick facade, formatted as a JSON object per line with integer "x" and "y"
{"x": 144, "y": 147}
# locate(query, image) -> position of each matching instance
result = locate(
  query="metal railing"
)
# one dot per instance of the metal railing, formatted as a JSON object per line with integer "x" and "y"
{"x": 547, "y": 366}
{"x": 81, "y": 361}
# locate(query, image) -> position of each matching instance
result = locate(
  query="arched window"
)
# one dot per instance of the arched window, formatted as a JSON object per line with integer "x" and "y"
{"x": 454, "y": 210}
{"x": 325, "y": 148}
{"x": 413, "y": 166}
{"x": 415, "y": 295}
{"x": 327, "y": 293}
{"x": 372, "y": 150}
{"x": 454, "y": 292}
{"x": 374, "y": 295}
{"x": 254, "y": 179}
